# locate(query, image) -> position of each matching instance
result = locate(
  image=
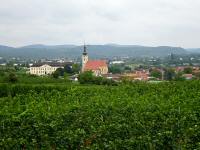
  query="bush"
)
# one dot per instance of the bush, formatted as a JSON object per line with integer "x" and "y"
{"x": 12, "y": 78}
{"x": 55, "y": 74}
{"x": 187, "y": 70}
{"x": 156, "y": 73}
{"x": 86, "y": 77}
{"x": 89, "y": 78}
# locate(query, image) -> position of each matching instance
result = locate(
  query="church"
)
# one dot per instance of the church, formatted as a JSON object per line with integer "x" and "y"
{"x": 98, "y": 67}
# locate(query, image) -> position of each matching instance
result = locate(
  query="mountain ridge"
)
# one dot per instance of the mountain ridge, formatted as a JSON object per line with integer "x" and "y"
{"x": 95, "y": 51}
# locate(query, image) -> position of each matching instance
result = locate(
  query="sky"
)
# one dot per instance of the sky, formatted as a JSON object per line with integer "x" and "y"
{"x": 132, "y": 22}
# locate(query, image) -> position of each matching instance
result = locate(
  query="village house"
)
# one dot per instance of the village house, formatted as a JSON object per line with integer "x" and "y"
{"x": 115, "y": 77}
{"x": 98, "y": 67}
{"x": 142, "y": 75}
{"x": 179, "y": 69}
{"x": 195, "y": 70}
{"x": 188, "y": 76}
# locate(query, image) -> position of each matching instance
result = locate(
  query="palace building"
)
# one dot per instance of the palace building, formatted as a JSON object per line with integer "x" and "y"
{"x": 46, "y": 68}
{"x": 98, "y": 67}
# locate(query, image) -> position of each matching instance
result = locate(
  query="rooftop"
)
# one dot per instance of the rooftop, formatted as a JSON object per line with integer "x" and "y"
{"x": 95, "y": 64}
{"x": 52, "y": 64}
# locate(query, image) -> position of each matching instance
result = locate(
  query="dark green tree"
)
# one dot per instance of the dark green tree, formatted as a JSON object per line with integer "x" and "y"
{"x": 156, "y": 74}
{"x": 66, "y": 77}
{"x": 60, "y": 71}
{"x": 169, "y": 74}
{"x": 127, "y": 68}
{"x": 86, "y": 77}
{"x": 179, "y": 77}
{"x": 55, "y": 74}
{"x": 76, "y": 68}
{"x": 188, "y": 70}
{"x": 115, "y": 69}
{"x": 68, "y": 69}
{"x": 12, "y": 78}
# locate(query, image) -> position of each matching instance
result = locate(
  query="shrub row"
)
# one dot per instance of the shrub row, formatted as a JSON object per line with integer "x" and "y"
{"x": 130, "y": 116}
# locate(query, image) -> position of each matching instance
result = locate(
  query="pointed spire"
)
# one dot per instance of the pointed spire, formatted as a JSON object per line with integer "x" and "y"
{"x": 85, "y": 50}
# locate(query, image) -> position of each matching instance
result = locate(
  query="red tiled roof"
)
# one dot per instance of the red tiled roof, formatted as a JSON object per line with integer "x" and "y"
{"x": 95, "y": 64}
{"x": 188, "y": 75}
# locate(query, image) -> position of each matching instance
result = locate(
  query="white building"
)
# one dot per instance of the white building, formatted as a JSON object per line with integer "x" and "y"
{"x": 117, "y": 62}
{"x": 46, "y": 68}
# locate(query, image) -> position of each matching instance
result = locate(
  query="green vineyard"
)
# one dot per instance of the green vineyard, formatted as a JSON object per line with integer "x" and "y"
{"x": 127, "y": 116}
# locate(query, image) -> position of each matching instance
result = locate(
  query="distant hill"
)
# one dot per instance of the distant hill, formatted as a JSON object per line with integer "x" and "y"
{"x": 194, "y": 50}
{"x": 95, "y": 51}
{"x": 40, "y": 46}
{"x": 3, "y": 47}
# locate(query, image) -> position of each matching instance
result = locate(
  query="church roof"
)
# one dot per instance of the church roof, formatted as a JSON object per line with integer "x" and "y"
{"x": 95, "y": 64}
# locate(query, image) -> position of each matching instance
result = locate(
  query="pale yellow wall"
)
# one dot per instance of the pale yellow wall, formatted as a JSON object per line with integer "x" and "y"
{"x": 104, "y": 70}
{"x": 43, "y": 70}
{"x": 85, "y": 59}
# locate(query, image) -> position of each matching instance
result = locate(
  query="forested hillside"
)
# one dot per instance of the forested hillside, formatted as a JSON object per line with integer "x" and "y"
{"x": 95, "y": 51}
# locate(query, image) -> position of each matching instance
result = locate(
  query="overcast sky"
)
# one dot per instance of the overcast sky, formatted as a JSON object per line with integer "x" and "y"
{"x": 138, "y": 22}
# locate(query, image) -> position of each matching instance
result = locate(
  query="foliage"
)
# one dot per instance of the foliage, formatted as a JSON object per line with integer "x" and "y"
{"x": 179, "y": 77}
{"x": 188, "y": 70}
{"x": 12, "y": 78}
{"x": 57, "y": 73}
{"x": 130, "y": 116}
{"x": 76, "y": 68}
{"x": 66, "y": 76}
{"x": 88, "y": 78}
{"x": 169, "y": 74}
{"x": 115, "y": 69}
{"x": 156, "y": 73}
{"x": 24, "y": 78}
{"x": 127, "y": 68}
{"x": 68, "y": 69}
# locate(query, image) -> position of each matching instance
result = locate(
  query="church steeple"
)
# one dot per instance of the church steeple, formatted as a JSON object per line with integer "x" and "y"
{"x": 85, "y": 50}
{"x": 84, "y": 57}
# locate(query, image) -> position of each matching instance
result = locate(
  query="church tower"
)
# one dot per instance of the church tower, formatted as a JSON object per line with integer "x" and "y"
{"x": 84, "y": 57}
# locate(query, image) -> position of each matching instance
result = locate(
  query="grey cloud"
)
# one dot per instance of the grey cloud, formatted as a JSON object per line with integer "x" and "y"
{"x": 145, "y": 22}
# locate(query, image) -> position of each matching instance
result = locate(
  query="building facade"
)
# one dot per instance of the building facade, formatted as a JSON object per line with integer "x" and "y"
{"x": 42, "y": 69}
{"x": 142, "y": 75}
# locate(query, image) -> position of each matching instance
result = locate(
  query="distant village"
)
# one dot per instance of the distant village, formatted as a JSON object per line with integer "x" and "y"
{"x": 122, "y": 68}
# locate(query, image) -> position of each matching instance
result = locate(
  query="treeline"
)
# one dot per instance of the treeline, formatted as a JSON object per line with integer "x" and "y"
{"x": 88, "y": 78}
{"x": 67, "y": 70}
{"x": 22, "y": 77}
{"x": 12, "y": 90}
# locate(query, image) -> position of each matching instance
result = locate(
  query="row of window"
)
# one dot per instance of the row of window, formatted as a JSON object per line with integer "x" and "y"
{"x": 41, "y": 72}
{"x": 43, "y": 69}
